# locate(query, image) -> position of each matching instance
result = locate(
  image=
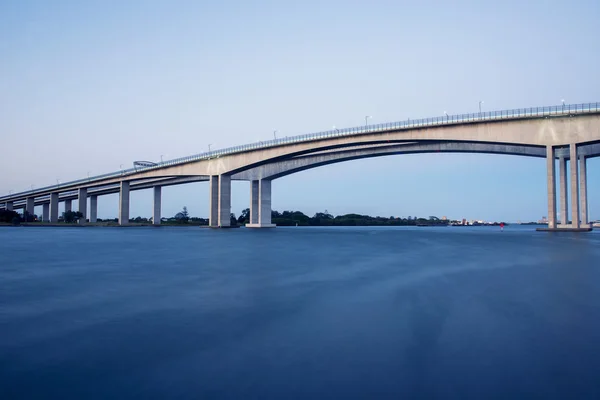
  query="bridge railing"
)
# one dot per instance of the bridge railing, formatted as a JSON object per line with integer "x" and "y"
{"x": 531, "y": 112}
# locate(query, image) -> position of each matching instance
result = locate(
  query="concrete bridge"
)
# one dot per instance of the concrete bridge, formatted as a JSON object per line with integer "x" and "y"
{"x": 568, "y": 133}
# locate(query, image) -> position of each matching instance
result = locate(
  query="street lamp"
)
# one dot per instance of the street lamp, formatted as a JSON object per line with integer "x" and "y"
{"x": 563, "y": 103}
{"x": 275, "y": 134}
{"x": 367, "y": 119}
{"x": 57, "y": 183}
{"x": 480, "y": 103}
{"x": 209, "y": 147}
{"x": 88, "y": 176}
{"x": 446, "y": 114}
{"x": 335, "y": 129}
{"x": 161, "y": 158}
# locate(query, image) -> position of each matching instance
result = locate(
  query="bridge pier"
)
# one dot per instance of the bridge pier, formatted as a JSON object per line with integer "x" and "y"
{"x": 68, "y": 205}
{"x": 82, "y": 200}
{"x": 54, "y": 208}
{"x": 578, "y": 181}
{"x": 562, "y": 171}
{"x": 213, "y": 216}
{"x": 583, "y": 190}
{"x": 551, "y": 179}
{"x": 93, "y": 209}
{"x": 253, "y": 202}
{"x": 224, "y": 201}
{"x": 29, "y": 205}
{"x": 220, "y": 201}
{"x": 9, "y": 206}
{"x": 46, "y": 212}
{"x": 157, "y": 205}
{"x": 260, "y": 204}
{"x": 574, "y": 186}
{"x": 124, "y": 203}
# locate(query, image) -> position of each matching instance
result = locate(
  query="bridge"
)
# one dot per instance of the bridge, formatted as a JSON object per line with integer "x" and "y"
{"x": 567, "y": 133}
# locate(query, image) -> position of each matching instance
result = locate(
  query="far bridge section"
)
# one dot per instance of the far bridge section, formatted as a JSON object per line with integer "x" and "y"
{"x": 567, "y": 133}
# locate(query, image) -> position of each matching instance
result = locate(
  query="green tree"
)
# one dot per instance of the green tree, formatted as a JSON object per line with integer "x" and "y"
{"x": 71, "y": 216}
{"x": 183, "y": 217}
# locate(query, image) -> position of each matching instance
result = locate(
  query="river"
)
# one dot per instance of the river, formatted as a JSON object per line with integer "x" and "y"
{"x": 369, "y": 312}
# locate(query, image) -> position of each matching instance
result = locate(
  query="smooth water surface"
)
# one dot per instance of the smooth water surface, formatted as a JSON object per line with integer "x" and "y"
{"x": 299, "y": 313}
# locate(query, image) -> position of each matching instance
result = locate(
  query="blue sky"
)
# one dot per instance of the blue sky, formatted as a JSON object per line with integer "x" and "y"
{"x": 88, "y": 86}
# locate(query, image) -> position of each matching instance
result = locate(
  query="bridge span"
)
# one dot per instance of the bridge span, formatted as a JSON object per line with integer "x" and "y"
{"x": 567, "y": 133}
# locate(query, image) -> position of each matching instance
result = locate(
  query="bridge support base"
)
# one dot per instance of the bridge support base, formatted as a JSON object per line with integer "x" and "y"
{"x": 261, "y": 225}
{"x": 566, "y": 229}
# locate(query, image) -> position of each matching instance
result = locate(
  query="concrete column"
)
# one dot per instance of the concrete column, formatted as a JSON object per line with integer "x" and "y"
{"x": 82, "y": 199}
{"x": 264, "y": 205}
{"x": 54, "y": 208}
{"x": 224, "y": 200}
{"x": 157, "y": 205}
{"x": 124, "y": 203}
{"x": 574, "y": 187}
{"x": 583, "y": 190}
{"x": 30, "y": 205}
{"x": 264, "y": 199}
{"x": 551, "y": 179}
{"x": 9, "y": 206}
{"x": 68, "y": 205}
{"x": 254, "y": 202}
{"x": 213, "y": 216}
{"x": 93, "y": 208}
{"x": 46, "y": 212}
{"x": 562, "y": 171}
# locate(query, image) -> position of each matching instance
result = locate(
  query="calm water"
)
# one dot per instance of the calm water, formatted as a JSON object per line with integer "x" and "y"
{"x": 298, "y": 313}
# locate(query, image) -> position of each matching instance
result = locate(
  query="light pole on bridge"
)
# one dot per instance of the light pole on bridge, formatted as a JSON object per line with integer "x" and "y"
{"x": 563, "y": 104}
{"x": 161, "y": 158}
{"x": 209, "y": 147}
{"x": 275, "y": 134}
{"x": 480, "y": 103}
{"x": 367, "y": 119}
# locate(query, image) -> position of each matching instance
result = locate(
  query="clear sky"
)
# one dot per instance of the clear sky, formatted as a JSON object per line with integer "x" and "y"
{"x": 86, "y": 86}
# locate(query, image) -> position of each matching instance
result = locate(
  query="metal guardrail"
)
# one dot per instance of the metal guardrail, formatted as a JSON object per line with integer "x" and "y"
{"x": 519, "y": 113}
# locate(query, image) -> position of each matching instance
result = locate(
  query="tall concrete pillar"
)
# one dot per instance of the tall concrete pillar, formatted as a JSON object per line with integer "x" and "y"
{"x": 82, "y": 200}
{"x": 68, "y": 205}
{"x": 261, "y": 194}
{"x": 93, "y": 208}
{"x": 254, "y": 202}
{"x": 224, "y": 200}
{"x": 46, "y": 212}
{"x": 551, "y": 179}
{"x": 54, "y": 208}
{"x": 562, "y": 171}
{"x": 157, "y": 205}
{"x": 213, "y": 217}
{"x": 9, "y": 206}
{"x": 264, "y": 213}
{"x": 583, "y": 190}
{"x": 124, "y": 203}
{"x": 574, "y": 186}
{"x": 30, "y": 205}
